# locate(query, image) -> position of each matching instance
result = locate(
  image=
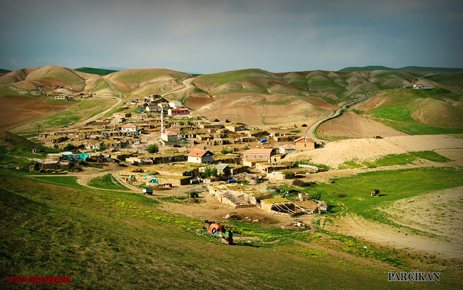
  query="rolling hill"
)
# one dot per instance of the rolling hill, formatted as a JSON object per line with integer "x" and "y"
{"x": 409, "y": 68}
{"x": 255, "y": 96}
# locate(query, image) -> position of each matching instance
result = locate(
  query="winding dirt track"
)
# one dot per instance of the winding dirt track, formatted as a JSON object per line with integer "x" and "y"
{"x": 311, "y": 131}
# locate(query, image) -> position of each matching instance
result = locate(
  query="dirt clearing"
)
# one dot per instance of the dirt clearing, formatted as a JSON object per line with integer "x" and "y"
{"x": 437, "y": 216}
{"x": 15, "y": 111}
{"x": 354, "y": 126}
{"x": 338, "y": 152}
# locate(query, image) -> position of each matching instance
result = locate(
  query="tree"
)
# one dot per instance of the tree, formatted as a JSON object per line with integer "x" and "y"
{"x": 153, "y": 148}
{"x": 70, "y": 147}
{"x": 225, "y": 151}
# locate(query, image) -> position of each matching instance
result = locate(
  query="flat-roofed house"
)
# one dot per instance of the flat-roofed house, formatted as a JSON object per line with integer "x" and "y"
{"x": 258, "y": 154}
{"x": 178, "y": 111}
{"x": 153, "y": 109}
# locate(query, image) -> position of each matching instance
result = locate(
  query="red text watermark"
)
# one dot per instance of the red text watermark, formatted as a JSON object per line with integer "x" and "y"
{"x": 40, "y": 279}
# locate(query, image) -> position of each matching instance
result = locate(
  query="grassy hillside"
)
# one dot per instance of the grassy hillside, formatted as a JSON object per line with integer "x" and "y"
{"x": 104, "y": 239}
{"x": 248, "y": 80}
{"x": 318, "y": 81}
{"x": 411, "y": 68}
{"x": 97, "y": 71}
{"x": 4, "y": 71}
{"x": 138, "y": 76}
{"x": 16, "y": 151}
{"x": 417, "y": 111}
{"x": 47, "y": 76}
{"x": 108, "y": 240}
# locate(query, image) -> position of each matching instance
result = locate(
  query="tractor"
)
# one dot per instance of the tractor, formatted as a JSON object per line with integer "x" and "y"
{"x": 217, "y": 229}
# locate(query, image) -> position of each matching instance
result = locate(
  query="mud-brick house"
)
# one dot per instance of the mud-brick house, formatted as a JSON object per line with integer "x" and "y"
{"x": 229, "y": 159}
{"x": 93, "y": 145}
{"x": 113, "y": 144}
{"x": 169, "y": 137}
{"x": 55, "y": 161}
{"x": 210, "y": 125}
{"x": 153, "y": 109}
{"x": 54, "y": 141}
{"x": 122, "y": 115}
{"x": 200, "y": 156}
{"x": 235, "y": 127}
{"x": 258, "y": 154}
{"x": 282, "y": 137}
{"x": 305, "y": 143}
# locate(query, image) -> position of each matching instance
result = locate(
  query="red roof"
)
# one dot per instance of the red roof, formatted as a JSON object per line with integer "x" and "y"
{"x": 198, "y": 152}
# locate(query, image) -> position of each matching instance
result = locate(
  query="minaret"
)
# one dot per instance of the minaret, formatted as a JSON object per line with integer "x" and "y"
{"x": 162, "y": 120}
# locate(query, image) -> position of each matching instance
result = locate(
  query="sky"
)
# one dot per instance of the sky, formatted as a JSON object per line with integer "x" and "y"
{"x": 210, "y": 36}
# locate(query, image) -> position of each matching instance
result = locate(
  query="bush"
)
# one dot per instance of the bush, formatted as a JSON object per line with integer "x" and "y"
{"x": 70, "y": 147}
{"x": 225, "y": 151}
{"x": 208, "y": 172}
{"x": 289, "y": 174}
{"x": 315, "y": 196}
{"x": 299, "y": 182}
{"x": 153, "y": 148}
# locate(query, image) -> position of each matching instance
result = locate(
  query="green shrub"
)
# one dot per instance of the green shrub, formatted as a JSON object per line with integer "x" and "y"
{"x": 153, "y": 148}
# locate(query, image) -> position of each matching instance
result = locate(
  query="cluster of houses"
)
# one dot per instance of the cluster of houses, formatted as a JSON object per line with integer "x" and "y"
{"x": 239, "y": 196}
{"x": 157, "y": 104}
{"x": 93, "y": 138}
{"x": 156, "y": 115}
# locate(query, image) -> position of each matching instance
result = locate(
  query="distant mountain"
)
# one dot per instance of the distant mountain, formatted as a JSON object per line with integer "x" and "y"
{"x": 114, "y": 68}
{"x": 96, "y": 71}
{"x": 410, "y": 68}
{"x": 4, "y": 71}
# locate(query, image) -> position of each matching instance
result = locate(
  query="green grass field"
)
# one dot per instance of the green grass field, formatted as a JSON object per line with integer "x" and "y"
{"x": 394, "y": 185}
{"x": 96, "y": 71}
{"x": 429, "y": 130}
{"x": 396, "y": 159}
{"x": 108, "y": 240}
{"x": 102, "y": 84}
{"x": 107, "y": 182}
{"x": 399, "y": 113}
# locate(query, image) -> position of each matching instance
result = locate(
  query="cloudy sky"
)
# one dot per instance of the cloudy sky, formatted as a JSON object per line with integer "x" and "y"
{"x": 207, "y": 36}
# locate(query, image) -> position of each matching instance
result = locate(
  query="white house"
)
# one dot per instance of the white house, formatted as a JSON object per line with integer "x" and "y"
{"x": 418, "y": 86}
{"x": 174, "y": 104}
{"x": 129, "y": 128}
{"x": 289, "y": 148}
{"x": 200, "y": 156}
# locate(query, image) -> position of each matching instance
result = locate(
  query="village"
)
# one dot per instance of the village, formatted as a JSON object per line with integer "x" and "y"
{"x": 158, "y": 144}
